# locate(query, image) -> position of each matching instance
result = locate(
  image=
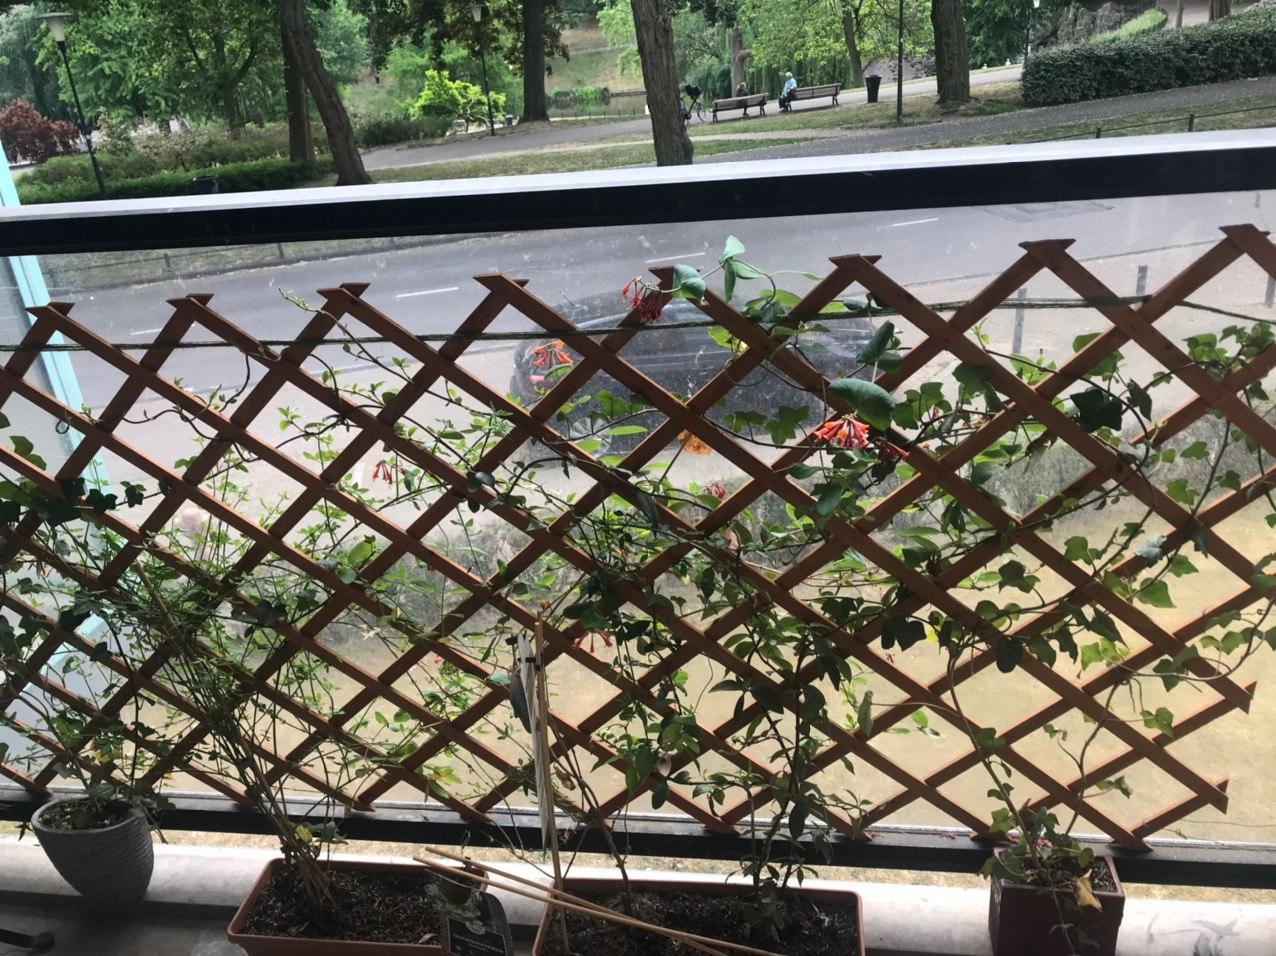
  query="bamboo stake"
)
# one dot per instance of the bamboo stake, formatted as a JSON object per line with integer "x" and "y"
{"x": 545, "y": 779}
{"x": 565, "y": 900}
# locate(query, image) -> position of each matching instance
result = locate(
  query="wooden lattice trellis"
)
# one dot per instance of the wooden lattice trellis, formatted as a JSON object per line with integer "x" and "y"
{"x": 345, "y": 305}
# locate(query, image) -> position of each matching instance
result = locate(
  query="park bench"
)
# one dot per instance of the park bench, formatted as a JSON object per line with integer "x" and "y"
{"x": 815, "y": 92}
{"x": 740, "y": 103}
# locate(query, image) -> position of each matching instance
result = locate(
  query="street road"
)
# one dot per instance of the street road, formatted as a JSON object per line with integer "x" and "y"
{"x": 431, "y": 288}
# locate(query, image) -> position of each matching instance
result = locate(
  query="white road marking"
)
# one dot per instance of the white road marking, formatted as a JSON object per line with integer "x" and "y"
{"x": 408, "y": 295}
{"x": 146, "y": 331}
{"x": 687, "y": 255}
{"x": 914, "y": 222}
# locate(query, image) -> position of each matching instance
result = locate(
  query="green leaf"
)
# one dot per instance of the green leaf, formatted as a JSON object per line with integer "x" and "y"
{"x": 647, "y": 505}
{"x": 1009, "y": 652}
{"x": 728, "y": 279}
{"x": 1197, "y": 451}
{"x": 1156, "y": 593}
{"x": 688, "y": 283}
{"x": 902, "y": 631}
{"x": 864, "y": 714}
{"x": 734, "y": 247}
{"x": 797, "y": 820}
{"x": 1097, "y": 409}
{"x": 868, "y": 401}
{"x": 1076, "y": 548}
{"x": 829, "y": 498}
{"x": 877, "y": 345}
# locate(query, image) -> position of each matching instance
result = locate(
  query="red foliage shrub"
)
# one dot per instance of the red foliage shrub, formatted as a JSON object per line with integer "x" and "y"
{"x": 26, "y": 133}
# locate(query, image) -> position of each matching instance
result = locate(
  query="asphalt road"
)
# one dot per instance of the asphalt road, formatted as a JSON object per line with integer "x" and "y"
{"x": 430, "y": 289}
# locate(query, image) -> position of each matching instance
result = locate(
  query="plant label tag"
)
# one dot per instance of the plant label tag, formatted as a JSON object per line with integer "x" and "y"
{"x": 489, "y": 935}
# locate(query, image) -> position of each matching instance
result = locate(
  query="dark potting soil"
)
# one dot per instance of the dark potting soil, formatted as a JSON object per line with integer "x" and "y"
{"x": 80, "y": 815}
{"x": 1101, "y": 880}
{"x": 811, "y": 928}
{"x": 378, "y": 906}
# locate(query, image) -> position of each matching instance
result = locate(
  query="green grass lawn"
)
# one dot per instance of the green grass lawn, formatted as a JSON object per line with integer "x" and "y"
{"x": 612, "y": 156}
{"x": 991, "y": 99}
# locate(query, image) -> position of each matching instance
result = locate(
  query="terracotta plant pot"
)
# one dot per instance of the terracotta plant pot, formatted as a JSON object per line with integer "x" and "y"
{"x": 297, "y": 946}
{"x": 110, "y": 867}
{"x": 1020, "y": 919}
{"x": 701, "y": 884}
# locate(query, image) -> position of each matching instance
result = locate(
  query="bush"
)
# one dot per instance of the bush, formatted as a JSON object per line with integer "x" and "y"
{"x": 233, "y": 177}
{"x": 1149, "y": 21}
{"x": 382, "y": 129}
{"x": 63, "y": 169}
{"x": 26, "y": 133}
{"x": 444, "y": 97}
{"x": 1238, "y": 47}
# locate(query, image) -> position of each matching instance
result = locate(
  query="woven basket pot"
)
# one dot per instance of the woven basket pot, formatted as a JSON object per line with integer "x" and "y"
{"x": 110, "y": 867}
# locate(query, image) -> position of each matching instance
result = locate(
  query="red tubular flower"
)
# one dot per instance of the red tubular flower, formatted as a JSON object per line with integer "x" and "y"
{"x": 718, "y": 490}
{"x": 381, "y": 472}
{"x": 605, "y": 636}
{"x": 551, "y": 354}
{"x": 844, "y": 432}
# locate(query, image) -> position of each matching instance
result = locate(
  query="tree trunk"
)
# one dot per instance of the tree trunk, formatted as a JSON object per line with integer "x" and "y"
{"x": 851, "y": 33}
{"x": 660, "y": 79}
{"x": 952, "y": 55}
{"x": 534, "y": 105}
{"x": 738, "y": 57}
{"x": 301, "y": 139}
{"x": 1178, "y": 17}
{"x": 226, "y": 77}
{"x": 1220, "y": 9}
{"x": 336, "y": 121}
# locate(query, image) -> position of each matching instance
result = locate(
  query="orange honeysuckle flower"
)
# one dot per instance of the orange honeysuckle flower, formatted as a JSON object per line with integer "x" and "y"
{"x": 693, "y": 444}
{"x": 845, "y": 432}
{"x": 551, "y": 355}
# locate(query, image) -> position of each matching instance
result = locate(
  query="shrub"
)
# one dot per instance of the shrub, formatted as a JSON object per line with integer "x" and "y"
{"x": 233, "y": 178}
{"x": 1232, "y": 49}
{"x": 1149, "y": 21}
{"x": 381, "y": 129}
{"x": 26, "y": 133}
{"x": 443, "y": 96}
{"x": 63, "y": 169}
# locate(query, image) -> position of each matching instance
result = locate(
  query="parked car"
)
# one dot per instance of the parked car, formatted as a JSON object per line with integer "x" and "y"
{"x": 681, "y": 360}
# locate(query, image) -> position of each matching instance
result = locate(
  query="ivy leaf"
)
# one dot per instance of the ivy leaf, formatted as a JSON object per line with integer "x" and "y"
{"x": 903, "y": 632}
{"x": 1097, "y": 409}
{"x": 1076, "y": 548}
{"x": 877, "y": 345}
{"x": 688, "y": 283}
{"x": 1156, "y": 593}
{"x": 1009, "y": 652}
{"x": 868, "y": 401}
{"x": 734, "y": 247}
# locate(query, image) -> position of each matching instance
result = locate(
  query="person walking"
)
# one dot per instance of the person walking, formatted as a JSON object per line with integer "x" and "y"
{"x": 786, "y": 92}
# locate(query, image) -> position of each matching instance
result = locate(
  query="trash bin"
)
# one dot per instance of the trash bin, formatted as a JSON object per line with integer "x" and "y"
{"x": 509, "y": 119}
{"x": 206, "y": 184}
{"x": 873, "y": 84}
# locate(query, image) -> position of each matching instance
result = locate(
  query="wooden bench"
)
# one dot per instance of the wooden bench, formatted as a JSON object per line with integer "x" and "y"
{"x": 814, "y": 93}
{"x": 740, "y": 103}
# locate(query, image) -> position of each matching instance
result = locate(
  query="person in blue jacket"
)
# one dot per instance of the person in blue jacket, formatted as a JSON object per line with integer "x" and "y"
{"x": 786, "y": 91}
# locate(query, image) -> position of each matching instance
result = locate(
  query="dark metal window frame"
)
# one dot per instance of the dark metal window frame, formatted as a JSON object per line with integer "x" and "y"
{"x": 1062, "y": 171}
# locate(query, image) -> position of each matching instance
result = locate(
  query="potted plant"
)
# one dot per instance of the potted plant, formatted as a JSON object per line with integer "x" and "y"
{"x": 97, "y": 837}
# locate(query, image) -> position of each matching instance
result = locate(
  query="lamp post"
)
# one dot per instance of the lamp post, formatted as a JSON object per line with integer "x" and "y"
{"x": 1027, "y": 33}
{"x": 899, "y": 68}
{"x": 57, "y": 27}
{"x": 476, "y": 10}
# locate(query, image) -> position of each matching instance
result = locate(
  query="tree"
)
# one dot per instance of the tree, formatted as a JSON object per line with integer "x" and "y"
{"x": 952, "y": 56}
{"x": 654, "y": 32}
{"x": 301, "y": 140}
{"x": 534, "y": 105}
{"x": 300, "y": 37}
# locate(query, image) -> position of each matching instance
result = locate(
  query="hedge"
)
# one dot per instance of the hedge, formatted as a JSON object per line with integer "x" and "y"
{"x": 1232, "y": 49}
{"x": 233, "y": 178}
{"x": 383, "y": 129}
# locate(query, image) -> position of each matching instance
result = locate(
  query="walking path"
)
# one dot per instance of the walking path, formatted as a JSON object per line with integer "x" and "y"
{"x": 1214, "y": 97}
{"x": 539, "y": 137}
